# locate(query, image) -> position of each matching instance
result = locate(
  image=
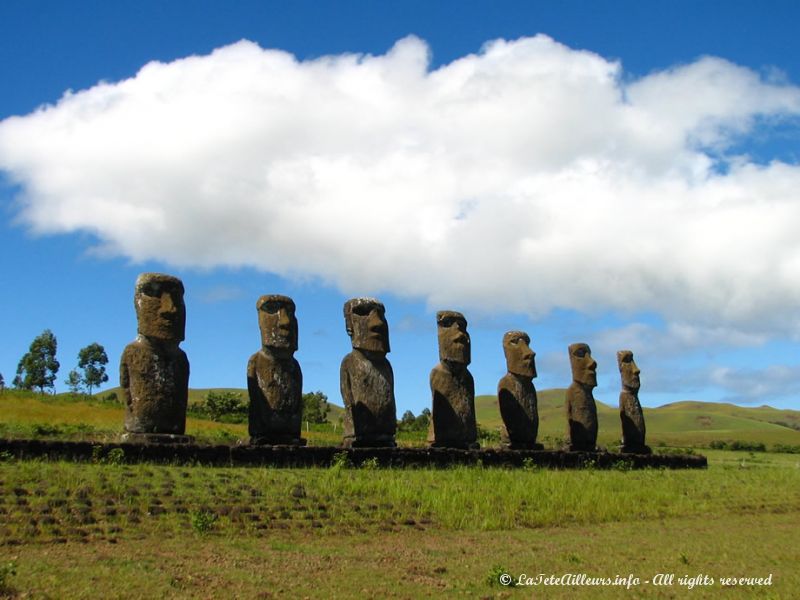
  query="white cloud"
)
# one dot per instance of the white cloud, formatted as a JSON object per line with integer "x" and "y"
{"x": 525, "y": 177}
{"x": 758, "y": 386}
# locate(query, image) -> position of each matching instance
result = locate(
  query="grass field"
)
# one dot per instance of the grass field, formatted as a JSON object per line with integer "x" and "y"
{"x": 105, "y": 530}
{"x": 686, "y": 424}
{"x": 111, "y": 530}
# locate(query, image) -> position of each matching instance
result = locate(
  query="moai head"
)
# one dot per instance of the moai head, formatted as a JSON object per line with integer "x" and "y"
{"x": 160, "y": 310}
{"x": 584, "y": 367}
{"x": 628, "y": 370}
{"x": 454, "y": 343}
{"x": 519, "y": 356}
{"x": 365, "y": 322}
{"x": 277, "y": 322}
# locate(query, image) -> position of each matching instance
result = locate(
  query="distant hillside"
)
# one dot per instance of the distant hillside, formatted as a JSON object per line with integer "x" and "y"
{"x": 678, "y": 424}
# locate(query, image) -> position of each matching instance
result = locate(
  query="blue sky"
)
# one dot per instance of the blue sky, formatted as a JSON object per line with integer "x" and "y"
{"x": 623, "y": 174}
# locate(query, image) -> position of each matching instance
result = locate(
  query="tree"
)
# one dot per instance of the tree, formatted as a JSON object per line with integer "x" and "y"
{"x": 74, "y": 382}
{"x": 93, "y": 361}
{"x": 226, "y": 406}
{"x": 315, "y": 407}
{"x": 38, "y": 367}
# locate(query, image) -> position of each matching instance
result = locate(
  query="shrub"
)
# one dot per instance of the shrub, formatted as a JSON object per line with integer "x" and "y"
{"x": 227, "y": 407}
{"x": 202, "y": 521}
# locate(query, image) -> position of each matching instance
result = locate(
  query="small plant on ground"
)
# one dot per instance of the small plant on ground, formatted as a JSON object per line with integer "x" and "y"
{"x": 340, "y": 461}
{"x": 498, "y": 575}
{"x": 370, "y": 464}
{"x": 203, "y": 521}
{"x": 7, "y": 571}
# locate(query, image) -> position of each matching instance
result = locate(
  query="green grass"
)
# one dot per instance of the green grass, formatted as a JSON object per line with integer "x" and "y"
{"x": 100, "y": 530}
{"x": 685, "y": 424}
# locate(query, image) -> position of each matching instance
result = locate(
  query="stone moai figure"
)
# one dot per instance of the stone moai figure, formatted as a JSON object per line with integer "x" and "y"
{"x": 452, "y": 422}
{"x": 517, "y": 396}
{"x": 366, "y": 377}
{"x": 274, "y": 379}
{"x": 630, "y": 411}
{"x": 580, "y": 407}
{"x": 154, "y": 371}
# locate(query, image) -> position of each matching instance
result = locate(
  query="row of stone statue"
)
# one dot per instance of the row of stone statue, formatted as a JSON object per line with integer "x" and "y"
{"x": 154, "y": 376}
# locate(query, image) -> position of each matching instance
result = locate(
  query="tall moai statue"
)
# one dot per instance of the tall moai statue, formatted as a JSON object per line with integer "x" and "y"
{"x": 580, "y": 406}
{"x": 452, "y": 423}
{"x": 274, "y": 379}
{"x": 366, "y": 378}
{"x": 517, "y": 396}
{"x": 630, "y": 411}
{"x": 154, "y": 371}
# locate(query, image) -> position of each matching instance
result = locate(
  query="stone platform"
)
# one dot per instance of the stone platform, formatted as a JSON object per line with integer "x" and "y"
{"x": 324, "y": 456}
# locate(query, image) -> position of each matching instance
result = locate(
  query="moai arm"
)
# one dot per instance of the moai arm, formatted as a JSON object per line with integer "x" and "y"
{"x": 125, "y": 379}
{"x": 345, "y": 387}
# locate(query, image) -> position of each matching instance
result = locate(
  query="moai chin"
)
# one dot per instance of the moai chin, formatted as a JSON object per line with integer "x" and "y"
{"x": 517, "y": 396}
{"x": 630, "y": 411}
{"x": 452, "y": 422}
{"x": 274, "y": 379}
{"x": 580, "y": 406}
{"x": 154, "y": 371}
{"x": 366, "y": 377}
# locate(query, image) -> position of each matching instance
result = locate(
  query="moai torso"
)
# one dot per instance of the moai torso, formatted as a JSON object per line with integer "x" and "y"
{"x": 155, "y": 383}
{"x": 154, "y": 371}
{"x": 274, "y": 379}
{"x": 630, "y": 410}
{"x": 581, "y": 410}
{"x": 516, "y": 395}
{"x": 366, "y": 379}
{"x": 452, "y": 422}
{"x": 367, "y": 386}
{"x": 519, "y": 410}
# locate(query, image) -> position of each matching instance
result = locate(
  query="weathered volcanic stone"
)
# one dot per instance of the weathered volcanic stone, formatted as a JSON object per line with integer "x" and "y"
{"x": 452, "y": 422}
{"x": 580, "y": 406}
{"x": 366, "y": 377}
{"x": 154, "y": 371}
{"x": 630, "y": 411}
{"x": 274, "y": 379}
{"x": 517, "y": 396}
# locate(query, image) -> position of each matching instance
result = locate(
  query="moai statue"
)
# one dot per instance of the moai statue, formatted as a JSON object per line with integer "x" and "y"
{"x": 452, "y": 422}
{"x": 630, "y": 411}
{"x": 580, "y": 407}
{"x": 154, "y": 371}
{"x": 517, "y": 396}
{"x": 274, "y": 379}
{"x": 366, "y": 377}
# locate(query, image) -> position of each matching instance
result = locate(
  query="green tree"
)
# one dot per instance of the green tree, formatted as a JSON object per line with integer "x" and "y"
{"x": 38, "y": 367}
{"x": 74, "y": 382}
{"x": 315, "y": 407}
{"x": 93, "y": 361}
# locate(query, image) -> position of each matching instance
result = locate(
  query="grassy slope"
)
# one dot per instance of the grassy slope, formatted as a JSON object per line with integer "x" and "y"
{"x": 679, "y": 424}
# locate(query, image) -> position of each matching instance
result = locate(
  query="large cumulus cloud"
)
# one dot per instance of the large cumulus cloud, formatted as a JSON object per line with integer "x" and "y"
{"x": 525, "y": 177}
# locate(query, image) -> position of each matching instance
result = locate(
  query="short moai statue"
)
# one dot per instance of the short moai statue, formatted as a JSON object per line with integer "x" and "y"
{"x": 274, "y": 379}
{"x": 517, "y": 396}
{"x": 580, "y": 406}
{"x": 630, "y": 411}
{"x": 154, "y": 371}
{"x": 366, "y": 378}
{"x": 452, "y": 423}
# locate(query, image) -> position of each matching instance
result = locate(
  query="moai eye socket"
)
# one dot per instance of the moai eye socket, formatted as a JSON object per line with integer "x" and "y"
{"x": 581, "y": 352}
{"x": 152, "y": 289}
{"x": 363, "y": 310}
{"x": 271, "y": 307}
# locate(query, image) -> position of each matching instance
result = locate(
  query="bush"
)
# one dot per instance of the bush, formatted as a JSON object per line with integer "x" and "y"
{"x": 226, "y": 407}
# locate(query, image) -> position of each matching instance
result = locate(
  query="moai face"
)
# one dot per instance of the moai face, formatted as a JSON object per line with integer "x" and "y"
{"x": 454, "y": 342}
{"x": 628, "y": 370}
{"x": 365, "y": 322}
{"x": 277, "y": 322}
{"x": 519, "y": 356}
{"x": 584, "y": 367}
{"x": 160, "y": 310}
